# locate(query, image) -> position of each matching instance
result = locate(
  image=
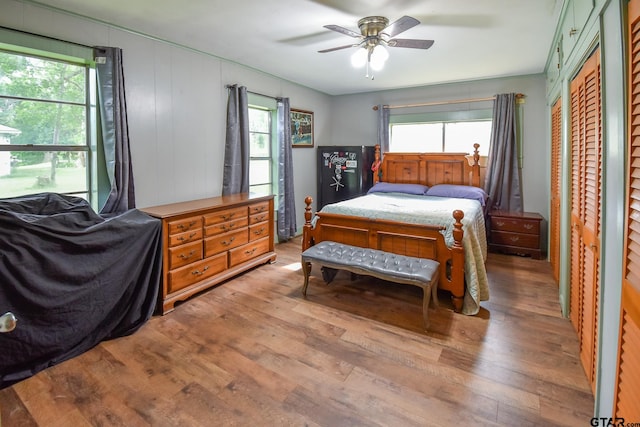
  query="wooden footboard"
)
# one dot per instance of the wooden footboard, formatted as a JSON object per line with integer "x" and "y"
{"x": 424, "y": 241}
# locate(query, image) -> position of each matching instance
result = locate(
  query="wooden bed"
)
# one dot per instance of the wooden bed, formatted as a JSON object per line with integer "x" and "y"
{"x": 425, "y": 241}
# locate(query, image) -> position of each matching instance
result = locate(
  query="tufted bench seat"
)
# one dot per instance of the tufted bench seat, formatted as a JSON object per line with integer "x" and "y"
{"x": 372, "y": 262}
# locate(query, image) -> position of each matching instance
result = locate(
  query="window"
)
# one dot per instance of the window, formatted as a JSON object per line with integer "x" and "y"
{"x": 261, "y": 162}
{"x": 44, "y": 114}
{"x": 447, "y": 131}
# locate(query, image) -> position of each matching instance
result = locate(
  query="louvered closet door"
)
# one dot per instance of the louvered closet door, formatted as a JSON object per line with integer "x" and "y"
{"x": 556, "y": 161}
{"x": 627, "y": 398}
{"x": 577, "y": 166}
{"x": 586, "y": 208}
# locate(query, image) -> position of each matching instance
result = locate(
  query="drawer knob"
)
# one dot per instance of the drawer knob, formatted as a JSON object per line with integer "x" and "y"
{"x": 227, "y": 217}
{"x": 189, "y": 255}
{"x": 250, "y": 252}
{"x": 514, "y": 238}
{"x": 528, "y": 226}
{"x": 500, "y": 223}
{"x": 227, "y": 227}
{"x": 187, "y": 226}
{"x": 228, "y": 242}
{"x": 183, "y": 239}
{"x": 258, "y": 232}
{"x": 200, "y": 273}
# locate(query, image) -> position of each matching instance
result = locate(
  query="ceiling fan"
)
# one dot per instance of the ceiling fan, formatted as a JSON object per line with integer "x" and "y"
{"x": 375, "y": 33}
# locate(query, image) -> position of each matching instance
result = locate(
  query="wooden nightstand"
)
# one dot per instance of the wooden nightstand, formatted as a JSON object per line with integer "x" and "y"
{"x": 515, "y": 233}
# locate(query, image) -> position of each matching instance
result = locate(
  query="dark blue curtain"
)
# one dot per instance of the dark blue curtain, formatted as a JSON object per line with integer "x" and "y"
{"x": 286, "y": 198}
{"x": 235, "y": 178}
{"x": 383, "y": 128}
{"x": 502, "y": 180}
{"x": 115, "y": 130}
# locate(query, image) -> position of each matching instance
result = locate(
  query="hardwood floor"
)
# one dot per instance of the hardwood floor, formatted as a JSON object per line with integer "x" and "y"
{"x": 254, "y": 352}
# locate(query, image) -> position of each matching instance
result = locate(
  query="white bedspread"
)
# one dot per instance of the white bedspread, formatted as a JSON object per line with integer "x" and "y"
{"x": 433, "y": 211}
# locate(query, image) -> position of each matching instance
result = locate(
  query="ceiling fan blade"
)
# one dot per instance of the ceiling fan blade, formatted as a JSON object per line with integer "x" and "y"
{"x": 400, "y": 25}
{"x": 343, "y": 30}
{"x": 337, "y": 48}
{"x": 412, "y": 43}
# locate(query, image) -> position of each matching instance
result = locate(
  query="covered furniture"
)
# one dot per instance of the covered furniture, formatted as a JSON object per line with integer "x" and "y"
{"x": 72, "y": 278}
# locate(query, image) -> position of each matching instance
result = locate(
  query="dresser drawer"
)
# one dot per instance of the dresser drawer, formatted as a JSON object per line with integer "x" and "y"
{"x": 257, "y": 208}
{"x": 225, "y": 215}
{"x": 224, "y": 242}
{"x": 186, "y": 237}
{"x": 258, "y": 231}
{"x": 183, "y": 225}
{"x": 246, "y": 252}
{"x": 515, "y": 239}
{"x": 517, "y": 225}
{"x": 259, "y": 217}
{"x": 195, "y": 272}
{"x": 184, "y": 254}
{"x": 225, "y": 227}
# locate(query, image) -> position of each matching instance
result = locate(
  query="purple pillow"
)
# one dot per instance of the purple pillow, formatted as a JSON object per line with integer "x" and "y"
{"x": 459, "y": 191}
{"x": 390, "y": 187}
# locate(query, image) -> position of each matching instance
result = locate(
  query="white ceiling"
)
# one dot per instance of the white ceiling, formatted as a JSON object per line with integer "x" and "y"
{"x": 474, "y": 39}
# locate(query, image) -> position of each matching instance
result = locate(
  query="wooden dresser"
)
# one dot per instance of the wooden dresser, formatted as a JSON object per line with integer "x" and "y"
{"x": 208, "y": 241}
{"x": 516, "y": 233}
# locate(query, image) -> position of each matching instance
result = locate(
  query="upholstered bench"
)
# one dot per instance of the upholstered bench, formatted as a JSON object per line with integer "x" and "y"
{"x": 372, "y": 262}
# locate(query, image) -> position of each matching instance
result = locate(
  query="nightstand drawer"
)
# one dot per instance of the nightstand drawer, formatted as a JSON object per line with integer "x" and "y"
{"x": 517, "y": 225}
{"x": 516, "y": 233}
{"x": 515, "y": 239}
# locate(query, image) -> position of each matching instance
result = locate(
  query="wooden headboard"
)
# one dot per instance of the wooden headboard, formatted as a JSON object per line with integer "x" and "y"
{"x": 427, "y": 168}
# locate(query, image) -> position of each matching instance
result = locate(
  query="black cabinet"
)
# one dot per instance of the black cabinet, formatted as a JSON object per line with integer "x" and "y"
{"x": 344, "y": 172}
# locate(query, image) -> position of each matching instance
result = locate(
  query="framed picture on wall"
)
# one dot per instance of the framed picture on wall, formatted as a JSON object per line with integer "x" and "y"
{"x": 301, "y": 128}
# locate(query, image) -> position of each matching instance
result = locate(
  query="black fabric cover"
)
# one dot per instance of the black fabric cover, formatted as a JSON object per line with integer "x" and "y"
{"x": 73, "y": 278}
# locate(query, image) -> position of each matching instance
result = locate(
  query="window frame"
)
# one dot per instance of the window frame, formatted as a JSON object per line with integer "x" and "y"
{"x": 23, "y": 44}
{"x": 481, "y": 114}
{"x": 259, "y": 102}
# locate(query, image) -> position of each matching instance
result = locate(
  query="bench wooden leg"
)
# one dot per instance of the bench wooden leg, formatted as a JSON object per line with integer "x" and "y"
{"x": 429, "y": 298}
{"x": 425, "y": 303}
{"x": 306, "y": 269}
{"x": 434, "y": 292}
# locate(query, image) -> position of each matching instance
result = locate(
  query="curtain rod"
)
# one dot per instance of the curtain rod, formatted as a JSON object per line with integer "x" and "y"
{"x": 255, "y": 93}
{"x": 455, "y": 101}
{"x": 46, "y": 37}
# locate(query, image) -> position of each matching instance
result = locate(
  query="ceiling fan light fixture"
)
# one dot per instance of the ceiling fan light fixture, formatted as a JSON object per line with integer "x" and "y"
{"x": 379, "y": 56}
{"x": 359, "y": 58}
{"x": 375, "y": 34}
